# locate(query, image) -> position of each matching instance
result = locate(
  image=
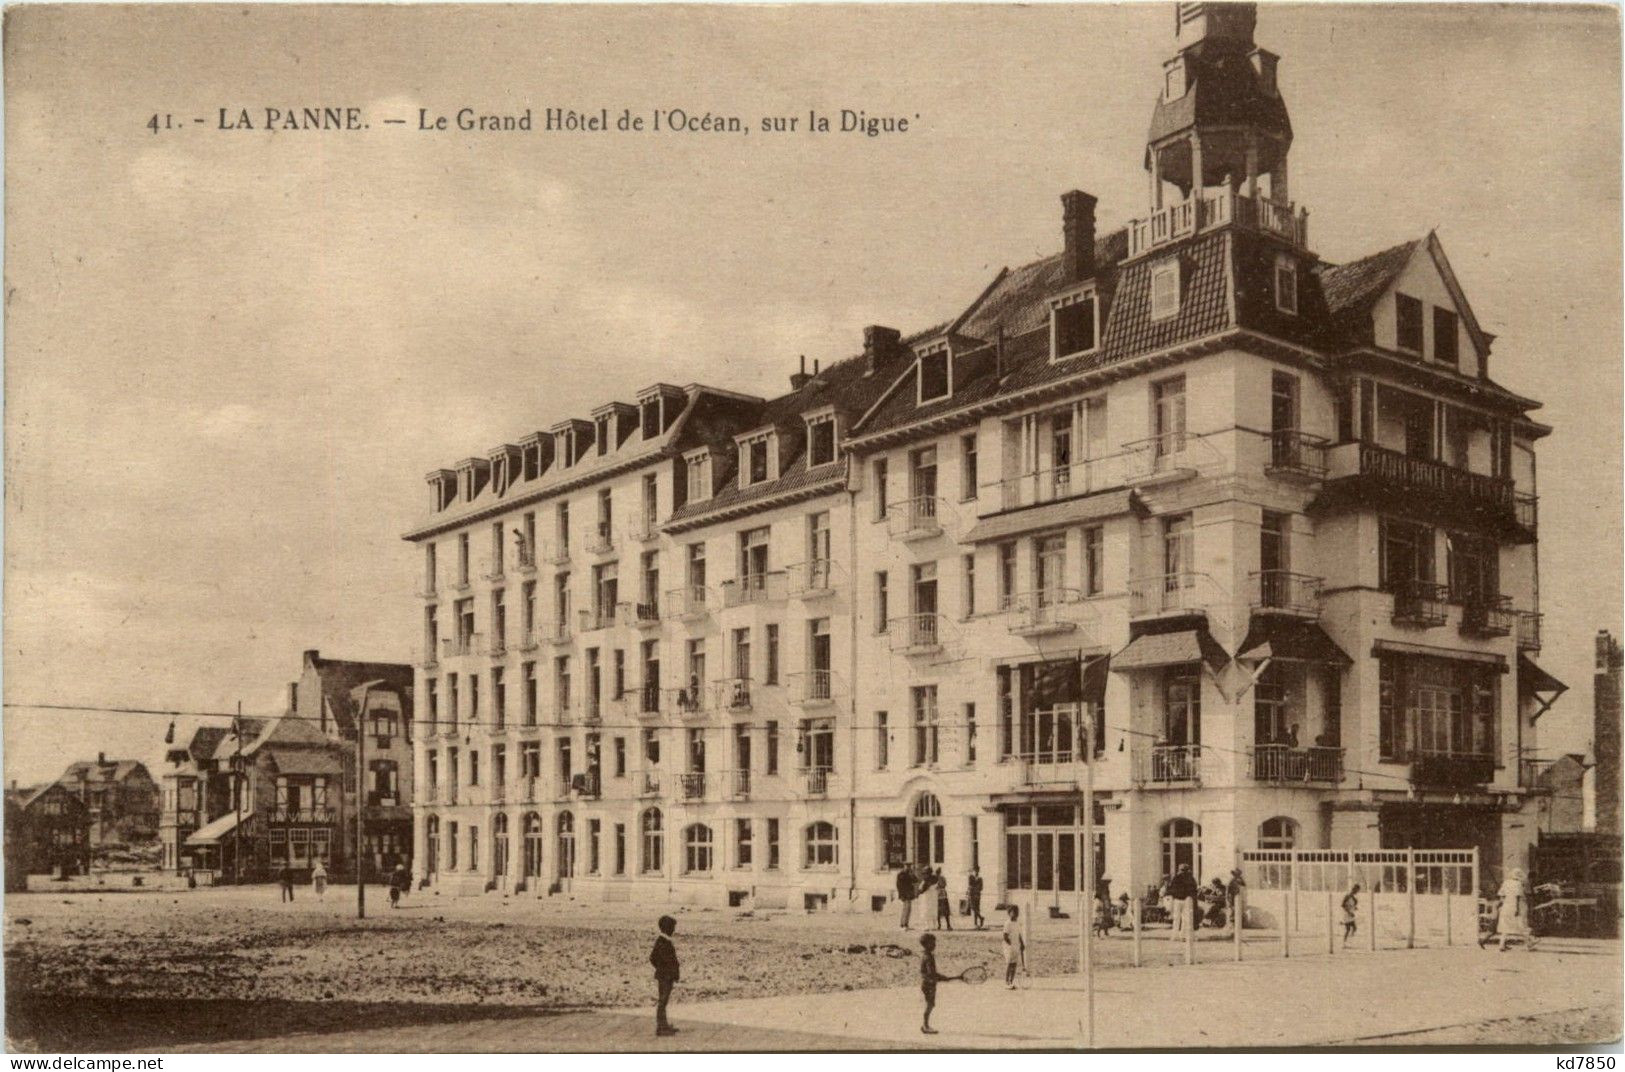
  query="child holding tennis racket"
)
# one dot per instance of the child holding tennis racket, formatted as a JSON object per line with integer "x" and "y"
{"x": 1015, "y": 947}
{"x": 929, "y": 978}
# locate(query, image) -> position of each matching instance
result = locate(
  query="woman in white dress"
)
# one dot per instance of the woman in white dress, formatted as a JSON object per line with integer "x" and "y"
{"x": 1513, "y": 920}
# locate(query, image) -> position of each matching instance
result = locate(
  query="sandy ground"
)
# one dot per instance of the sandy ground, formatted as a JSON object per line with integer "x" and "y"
{"x": 1582, "y": 1027}
{"x": 126, "y": 970}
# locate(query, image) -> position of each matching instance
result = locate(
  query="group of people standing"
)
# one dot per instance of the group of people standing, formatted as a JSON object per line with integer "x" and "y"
{"x": 915, "y": 881}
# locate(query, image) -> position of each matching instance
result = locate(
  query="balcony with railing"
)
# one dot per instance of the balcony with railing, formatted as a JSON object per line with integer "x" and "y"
{"x": 1287, "y": 764}
{"x": 1296, "y": 455}
{"x": 812, "y": 688}
{"x": 915, "y": 634}
{"x": 1168, "y": 458}
{"x": 648, "y": 699}
{"x": 738, "y": 783}
{"x": 1451, "y": 769}
{"x": 918, "y": 518}
{"x": 693, "y": 785}
{"x": 1529, "y": 630}
{"x": 750, "y": 588}
{"x": 561, "y": 554}
{"x": 588, "y": 785}
{"x": 648, "y": 783}
{"x": 1051, "y": 771}
{"x": 1173, "y": 594}
{"x": 524, "y": 558}
{"x": 601, "y": 541}
{"x": 734, "y": 694}
{"x": 688, "y": 604}
{"x": 1367, "y": 476}
{"x": 644, "y": 529}
{"x": 1210, "y": 209}
{"x": 646, "y": 615}
{"x": 816, "y": 780}
{"x": 1488, "y": 617}
{"x": 281, "y": 813}
{"x": 467, "y": 644}
{"x": 603, "y": 616}
{"x": 530, "y": 791}
{"x": 1530, "y": 772}
{"x": 561, "y": 632}
{"x": 813, "y": 580}
{"x": 1420, "y": 604}
{"x": 1169, "y": 764}
{"x": 695, "y": 701}
{"x": 527, "y": 640}
{"x": 1045, "y": 612}
{"x": 1285, "y": 592}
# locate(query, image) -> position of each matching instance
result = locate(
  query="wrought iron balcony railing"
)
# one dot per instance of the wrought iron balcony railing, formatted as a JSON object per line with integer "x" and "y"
{"x": 1529, "y": 630}
{"x": 734, "y": 694}
{"x": 817, "y": 780}
{"x": 812, "y": 688}
{"x": 738, "y": 785}
{"x": 1187, "y": 592}
{"x": 1488, "y": 616}
{"x": 1420, "y": 603}
{"x": 1285, "y": 592}
{"x": 1217, "y": 208}
{"x": 1297, "y": 454}
{"x": 813, "y": 580}
{"x": 688, "y": 604}
{"x": 766, "y": 587}
{"x": 915, "y": 634}
{"x": 1166, "y": 764}
{"x": 1045, "y": 611}
{"x": 693, "y": 785}
{"x": 1285, "y": 764}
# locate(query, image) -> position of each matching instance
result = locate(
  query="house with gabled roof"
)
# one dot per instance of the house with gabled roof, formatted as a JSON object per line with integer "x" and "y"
{"x": 1248, "y": 531}
{"x": 121, "y": 796}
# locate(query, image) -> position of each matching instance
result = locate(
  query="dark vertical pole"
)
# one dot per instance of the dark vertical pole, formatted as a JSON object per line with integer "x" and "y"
{"x": 360, "y": 803}
{"x": 237, "y": 798}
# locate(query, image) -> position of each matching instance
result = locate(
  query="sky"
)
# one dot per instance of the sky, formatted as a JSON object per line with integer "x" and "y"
{"x": 231, "y": 356}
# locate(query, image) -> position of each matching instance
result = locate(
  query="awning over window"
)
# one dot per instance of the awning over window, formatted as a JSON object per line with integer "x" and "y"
{"x": 211, "y": 833}
{"x": 1272, "y": 636}
{"x": 1537, "y": 683}
{"x": 306, "y": 763}
{"x": 1171, "y": 649}
{"x": 1396, "y": 647}
{"x": 1051, "y": 515}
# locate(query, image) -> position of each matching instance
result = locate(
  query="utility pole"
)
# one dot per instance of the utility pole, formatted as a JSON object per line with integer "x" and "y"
{"x": 237, "y": 799}
{"x": 361, "y": 800}
{"x": 1087, "y": 725}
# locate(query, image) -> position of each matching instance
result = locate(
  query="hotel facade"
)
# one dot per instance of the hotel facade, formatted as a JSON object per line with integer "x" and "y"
{"x": 1253, "y": 532}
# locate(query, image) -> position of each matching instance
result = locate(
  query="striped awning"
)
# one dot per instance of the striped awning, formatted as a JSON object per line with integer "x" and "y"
{"x": 1051, "y": 516}
{"x": 1275, "y": 637}
{"x": 211, "y": 832}
{"x": 1171, "y": 649}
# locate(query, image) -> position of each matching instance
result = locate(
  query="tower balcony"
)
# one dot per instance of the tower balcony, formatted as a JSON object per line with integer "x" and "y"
{"x": 1284, "y": 592}
{"x": 1296, "y": 455}
{"x": 1364, "y": 476}
{"x": 1284, "y": 764}
{"x": 1211, "y": 209}
{"x": 1421, "y": 604}
{"x": 1168, "y": 458}
{"x": 1529, "y": 630}
{"x": 1172, "y": 594}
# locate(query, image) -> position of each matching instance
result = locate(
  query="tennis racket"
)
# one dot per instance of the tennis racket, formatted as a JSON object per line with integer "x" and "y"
{"x": 975, "y": 975}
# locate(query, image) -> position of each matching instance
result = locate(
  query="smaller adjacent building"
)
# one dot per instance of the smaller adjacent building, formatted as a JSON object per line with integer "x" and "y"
{"x": 245, "y": 800}
{"x": 120, "y": 797}
{"x": 47, "y": 832}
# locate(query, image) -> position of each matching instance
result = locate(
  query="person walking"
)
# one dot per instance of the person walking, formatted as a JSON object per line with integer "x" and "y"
{"x": 929, "y": 978}
{"x": 284, "y": 877}
{"x": 945, "y": 913}
{"x": 1182, "y": 891}
{"x": 1015, "y": 946}
{"x": 907, "y": 889}
{"x": 398, "y": 883}
{"x": 667, "y": 972}
{"x": 1512, "y": 921}
{"x": 1351, "y": 912}
{"x": 973, "y": 890}
{"x": 318, "y": 879}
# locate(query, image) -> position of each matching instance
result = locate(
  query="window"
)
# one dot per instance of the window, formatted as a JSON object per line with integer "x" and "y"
{"x": 936, "y": 374}
{"x": 618, "y": 680}
{"x": 923, "y": 481}
{"x": 1072, "y": 326}
{"x": 594, "y": 830}
{"x": 755, "y": 459}
{"x": 969, "y": 568}
{"x": 620, "y": 757}
{"x": 606, "y": 517}
{"x": 651, "y": 747}
{"x": 696, "y": 849}
{"x": 1093, "y": 560}
{"x": 741, "y": 648}
{"x": 1278, "y": 833}
{"x": 1181, "y": 846}
{"x": 496, "y": 549}
{"x": 462, "y": 559}
{"x": 753, "y": 560}
{"x": 1473, "y": 566}
{"x": 772, "y": 844}
{"x": 473, "y": 766}
{"x": 699, "y": 476}
{"x": 620, "y": 848}
{"x": 561, "y": 682}
{"x": 1408, "y": 323}
{"x": 1173, "y": 80}
{"x": 820, "y": 441}
{"x": 882, "y": 741}
{"x": 651, "y": 503}
{"x": 970, "y": 735}
{"x": 742, "y": 842}
{"x": 601, "y": 436}
{"x": 1178, "y": 552}
{"x": 428, "y": 569}
{"x": 882, "y": 602}
{"x": 1405, "y": 554}
{"x": 817, "y": 744}
{"x": 1168, "y": 416}
{"x": 1049, "y": 567}
{"x": 926, "y": 727}
{"x": 772, "y": 748}
{"x": 1182, "y": 707}
{"x": 563, "y": 524}
{"x": 821, "y": 845}
{"x": 1445, "y": 338}
{"x": 1165, "y": 290}
{"x": 653, "y": 847}
{"x": 968, "y": 478}
{"x": 1007, "y": 575}
{"x": 1286, "y": 284}
{"x": 530, "y": 693}
{"x": 770, "y": 673}
{"x": 880, "y": 489}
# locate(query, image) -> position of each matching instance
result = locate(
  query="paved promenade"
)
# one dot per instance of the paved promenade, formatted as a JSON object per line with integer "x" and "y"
{"x": 1314, "y": 1000}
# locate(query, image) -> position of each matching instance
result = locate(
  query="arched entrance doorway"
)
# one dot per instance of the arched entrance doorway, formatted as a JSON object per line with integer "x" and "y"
{"x": 499, "y": 850}
{"x": 927, "y": 840}
{"x": 533, "y": 850}
{"x": 566, "y": 846}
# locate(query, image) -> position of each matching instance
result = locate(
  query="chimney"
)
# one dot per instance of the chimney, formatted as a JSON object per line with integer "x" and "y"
{"x": 293, "y": 696}
{"x": 101, "y": 759}
{"x": 312, "y": 657}
{"x": 1078, "y": 230}
{"x": 879, "y": 346}
{"x": 798, "y": 380}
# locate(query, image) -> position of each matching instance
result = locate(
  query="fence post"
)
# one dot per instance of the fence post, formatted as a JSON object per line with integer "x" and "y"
{"x": 1449, "y": 939}
{"x": 1134, "y": 905}
{"x": 1331, "y": 929}
{"x": 1190, "y": 932}
{"x": 1294, "y": 914}
{"x": 1238, "y": 912}
{"x": 1372, "y": 937}
{"x": 1410, "y": 898}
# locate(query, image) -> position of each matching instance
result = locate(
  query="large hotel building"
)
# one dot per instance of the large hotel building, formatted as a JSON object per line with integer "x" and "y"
{"x": 1257, "y": 529}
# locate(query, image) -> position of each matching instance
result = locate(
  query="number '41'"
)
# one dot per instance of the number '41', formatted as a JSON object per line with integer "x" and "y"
{"x": 160, "y": 122}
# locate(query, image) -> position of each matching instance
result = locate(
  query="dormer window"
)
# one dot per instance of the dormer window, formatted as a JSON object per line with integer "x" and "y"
{"x": 1408, "y": 323}
{"x": 649, "y": 417}
{"x": 820, "y": 440}
{"x": 699, "y": 475}
{"x": 1174, "y": 80}
{"x": 1264, "y": 66}
{"x": 757, "y": 464}
{"x": 602, "y": 429}
{"x": 1286, "y": 284}
{"x": 442, "y": 489}
{"x": 1165, "y": 290}
{"x": 1073, "y": 329}
{"x": 936, "y": 374}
